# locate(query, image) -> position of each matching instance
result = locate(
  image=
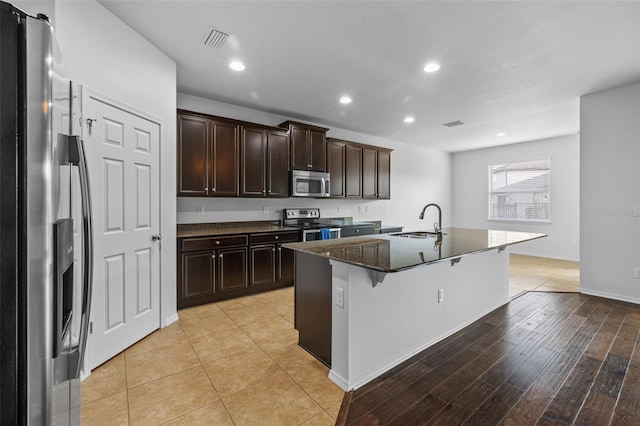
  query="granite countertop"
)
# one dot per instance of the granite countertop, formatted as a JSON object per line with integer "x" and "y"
{"x": 227, "y": 228}
{"x": 389, "y": 253}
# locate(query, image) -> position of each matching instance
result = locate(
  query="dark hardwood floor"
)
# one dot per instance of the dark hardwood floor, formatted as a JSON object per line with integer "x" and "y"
{"x": 544, "y": 358}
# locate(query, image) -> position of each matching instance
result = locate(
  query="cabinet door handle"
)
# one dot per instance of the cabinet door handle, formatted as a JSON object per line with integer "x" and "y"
{"x": 220, "y": 256}
{"x": 217, "y": 242}
{"x": 213, "y": 190}
{"x": 277, "y": 237}
{"x": 309, "y": 165}
{"x": 273, "y": 249}
{"x": 263, "y": 191}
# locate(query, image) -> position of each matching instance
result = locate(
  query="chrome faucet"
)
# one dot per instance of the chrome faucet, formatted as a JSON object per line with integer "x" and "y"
{"x": 438, "y": 225}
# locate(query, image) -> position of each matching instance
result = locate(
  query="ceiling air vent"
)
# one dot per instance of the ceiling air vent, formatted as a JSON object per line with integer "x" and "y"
{"x": 453, "y": 123}
{"x": 215, "y": 38}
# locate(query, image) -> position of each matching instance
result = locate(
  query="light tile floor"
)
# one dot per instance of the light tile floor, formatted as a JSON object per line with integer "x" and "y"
{"x": 233, "y": 362}
{"x": 238, "y": 362}
{"x": 529, "y": 273}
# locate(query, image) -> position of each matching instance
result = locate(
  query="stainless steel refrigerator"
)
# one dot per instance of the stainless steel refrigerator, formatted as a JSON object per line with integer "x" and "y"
{"x": 45, "y": 229}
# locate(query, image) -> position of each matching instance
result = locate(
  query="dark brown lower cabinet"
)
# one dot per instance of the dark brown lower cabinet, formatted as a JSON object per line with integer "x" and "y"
{"x": 198, "y": 275}
{"x": 232, "y": 269}
{"x": 286, "y": 263}
{"x": 223, "y": 267}
{"x": 272, "y": 263}
{"x": 209, "y": 273}
{"x": 263, "y": 265}
{"x": 313, "y": 305}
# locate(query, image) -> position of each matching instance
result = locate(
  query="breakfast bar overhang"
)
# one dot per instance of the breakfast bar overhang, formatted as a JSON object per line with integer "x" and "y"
{"x": 392, "y": 296}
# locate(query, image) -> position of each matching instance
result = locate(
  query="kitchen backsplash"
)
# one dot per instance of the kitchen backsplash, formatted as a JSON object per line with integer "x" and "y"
{"x": 203, "y": 210}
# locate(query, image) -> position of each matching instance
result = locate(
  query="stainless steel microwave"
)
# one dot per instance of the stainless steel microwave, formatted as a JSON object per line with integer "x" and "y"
{"x": 309, "y": 184}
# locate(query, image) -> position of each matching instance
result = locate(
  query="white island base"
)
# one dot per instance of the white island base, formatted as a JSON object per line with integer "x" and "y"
{"x": 381, "y": 324}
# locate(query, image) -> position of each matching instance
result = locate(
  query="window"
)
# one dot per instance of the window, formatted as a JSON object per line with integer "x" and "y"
{"x": 520, "y": 191}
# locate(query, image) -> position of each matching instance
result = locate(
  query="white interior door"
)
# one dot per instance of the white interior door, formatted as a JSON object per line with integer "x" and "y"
{"x": 123, "y": 150}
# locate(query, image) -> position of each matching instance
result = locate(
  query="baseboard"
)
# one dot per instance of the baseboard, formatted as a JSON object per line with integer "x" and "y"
{"x": 339, "y": 380}
{"x": 376, "y": 371}
{"x": 613, "y": 296}
{"x": 546, "y": 255}
{"x": 168, "y": 321}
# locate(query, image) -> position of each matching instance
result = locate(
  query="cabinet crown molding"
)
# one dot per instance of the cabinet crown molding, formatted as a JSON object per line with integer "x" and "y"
{"x": 360, "y": 145}
{"x": 288, "y": 123}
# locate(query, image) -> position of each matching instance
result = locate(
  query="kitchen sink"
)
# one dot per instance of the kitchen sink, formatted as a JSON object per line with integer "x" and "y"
{"x": 418, "y": 234}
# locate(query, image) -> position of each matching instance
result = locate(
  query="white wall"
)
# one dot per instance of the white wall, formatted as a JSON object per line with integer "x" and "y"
{"x": 610, "y": 193}
{"x": 471, "y": 199}
{"x": 418, "y": 176}
{"x": 103, "y": 53}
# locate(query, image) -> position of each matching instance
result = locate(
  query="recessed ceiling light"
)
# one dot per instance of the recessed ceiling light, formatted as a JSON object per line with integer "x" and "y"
{"x": 409, "y": 119}
{"x": 431, "y": 67}
{"x": 500, "y": 134}
{"x": 345, "y": 100}
{"x": 236, "y": 66}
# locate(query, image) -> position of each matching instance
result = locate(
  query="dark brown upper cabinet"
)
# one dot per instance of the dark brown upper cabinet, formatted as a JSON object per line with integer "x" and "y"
{"x": 384, "y": 174}
{"x": 207, "y": 156}
{"x": 335, "y": 167}
{"x": 277, "y": 164}
{"x": 357, "y": 170}
{"x": 308, "y": 146}
{"x": 369, "y": 173}
{"x": 264, "y": 162}
{"x": 353, "y": 171}
{"x": 376, "y": 173}
{"x": 222, "y": 157}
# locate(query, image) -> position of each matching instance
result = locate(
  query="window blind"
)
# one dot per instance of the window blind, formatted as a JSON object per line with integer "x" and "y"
{"x": 520, "y": 191}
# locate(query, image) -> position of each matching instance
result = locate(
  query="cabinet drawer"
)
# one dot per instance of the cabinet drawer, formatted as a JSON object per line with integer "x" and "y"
{"x": 272, "y": 238}
{"x": 208, "y": 243}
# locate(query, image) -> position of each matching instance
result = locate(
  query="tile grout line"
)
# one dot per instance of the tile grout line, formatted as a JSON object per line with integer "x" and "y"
{"x": 322, "y": 410}
{"x": 126, "y": 386}
{"x": 207, "y": 374}
{"x": 261, "y": 349}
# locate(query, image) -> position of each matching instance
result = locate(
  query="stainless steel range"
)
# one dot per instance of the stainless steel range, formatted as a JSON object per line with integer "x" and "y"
{"x": 308, "y": 221}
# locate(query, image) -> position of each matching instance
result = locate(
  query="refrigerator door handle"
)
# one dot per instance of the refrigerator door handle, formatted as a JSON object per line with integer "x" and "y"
{"x": 78, "y": 157}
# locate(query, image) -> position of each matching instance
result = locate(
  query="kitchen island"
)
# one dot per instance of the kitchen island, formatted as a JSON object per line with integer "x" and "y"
{"x": 391, "y": 296}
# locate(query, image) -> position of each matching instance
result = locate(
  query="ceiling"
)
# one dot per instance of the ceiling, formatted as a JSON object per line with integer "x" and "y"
{"x": 514, "y": 67}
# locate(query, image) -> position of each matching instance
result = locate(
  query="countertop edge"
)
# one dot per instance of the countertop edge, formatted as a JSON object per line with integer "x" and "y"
{"x": 500, "y": 247}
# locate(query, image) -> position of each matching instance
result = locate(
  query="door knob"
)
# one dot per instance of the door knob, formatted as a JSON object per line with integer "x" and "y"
{"x": 156, "y": 237}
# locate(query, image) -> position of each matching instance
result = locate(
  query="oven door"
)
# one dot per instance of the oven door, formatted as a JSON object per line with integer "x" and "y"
{"x": 316, "y": 234}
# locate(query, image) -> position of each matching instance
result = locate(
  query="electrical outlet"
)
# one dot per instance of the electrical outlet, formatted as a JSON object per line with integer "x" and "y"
{"x": 265, "y": 210}
{"x": 441, "y": 295}
{"x": 339, "y": 297}
{"x": 636, "y": 273}
{"x": 200, "y": 211}
{"x": 366, "y": 208}
{"x": 338, "y": 209}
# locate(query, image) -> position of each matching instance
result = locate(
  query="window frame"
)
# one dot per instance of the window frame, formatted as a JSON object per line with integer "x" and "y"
{"x": 491, "y": 192}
